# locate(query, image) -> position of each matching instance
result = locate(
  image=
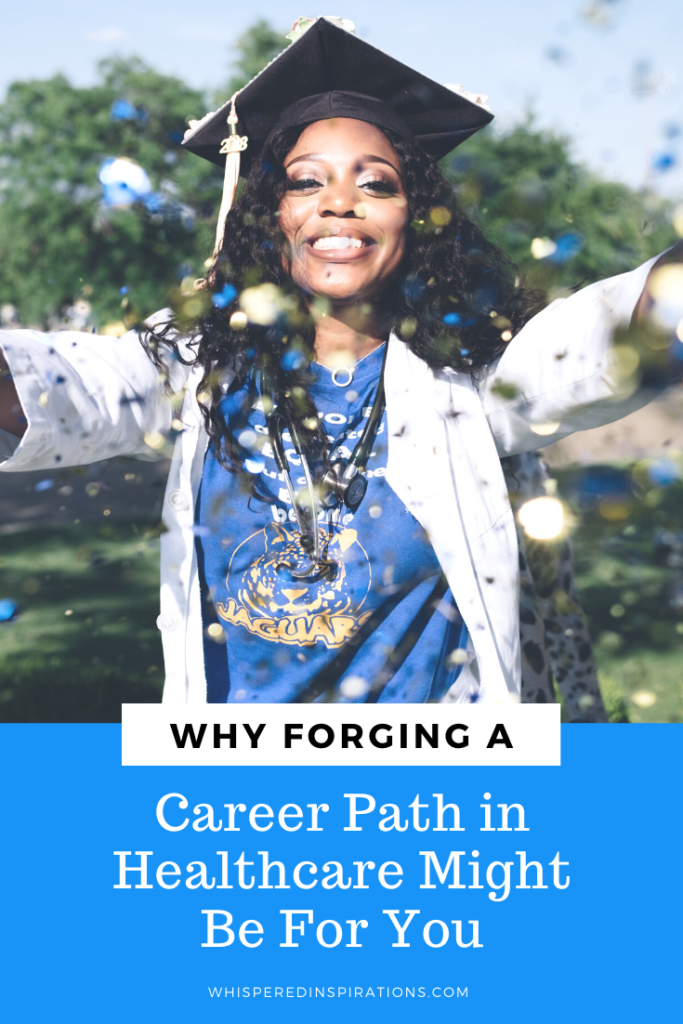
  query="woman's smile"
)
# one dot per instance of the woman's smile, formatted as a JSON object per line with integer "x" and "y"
{"x": 340, "y": 247}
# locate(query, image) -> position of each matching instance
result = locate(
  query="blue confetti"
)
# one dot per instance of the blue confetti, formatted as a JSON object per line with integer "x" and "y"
{"x": 413, "y": 288}
{"x": 153, "y": 201}
{"x": 676, "y": 349}
{"x": 663, "y": 162}
{"x": 663, "y": 472}
{"x": 230, "y": 409}
{"x": 175, "y": 136}
{"x": 124, "y": 182}
{"x": 452, "y": 318}
{"x": 225, "y": 297}
{"x": 44, "y": 485}
{"x": 568, "y": 246}
{"x": 124, "y": 290}
{"x": 292, "y": 359}
{"x": 8, "y": 610}
{"x": 122, "y": 110}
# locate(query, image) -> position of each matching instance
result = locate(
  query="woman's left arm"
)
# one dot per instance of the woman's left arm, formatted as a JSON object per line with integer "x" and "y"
{"x": 560, "y": 374}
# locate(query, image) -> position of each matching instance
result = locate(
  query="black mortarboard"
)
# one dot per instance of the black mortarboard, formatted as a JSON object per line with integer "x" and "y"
{"x": 327, "y": 59}
{"x": 328, "y": 72}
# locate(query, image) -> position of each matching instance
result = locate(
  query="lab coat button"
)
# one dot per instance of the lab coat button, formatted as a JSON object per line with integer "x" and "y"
{"x": 178, "y": 501}
{"x": 166, "y": 622}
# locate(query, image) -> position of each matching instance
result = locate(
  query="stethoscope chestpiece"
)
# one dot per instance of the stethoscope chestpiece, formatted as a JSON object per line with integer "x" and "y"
{"x": 343, "y": 482}
{"x": 355, "y": 491}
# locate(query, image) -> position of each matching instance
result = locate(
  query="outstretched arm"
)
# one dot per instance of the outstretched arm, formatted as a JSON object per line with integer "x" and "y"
{"x": 75, "y": 398}
{"x": 559, "y": 374}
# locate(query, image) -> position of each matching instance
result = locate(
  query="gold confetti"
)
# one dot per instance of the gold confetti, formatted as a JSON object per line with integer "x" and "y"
{"x": 644, "y": 698}
{"x": 440, "y": 216}
{"x": 678, "y": 220}
{"x": 154, "y": 439}
{"x": 542, "y": 518}
{"x": 544, "y": 429}
{"x": 238, "y": 321}
{"x": 542, "y": 248}
{"x": 115, "y": 329}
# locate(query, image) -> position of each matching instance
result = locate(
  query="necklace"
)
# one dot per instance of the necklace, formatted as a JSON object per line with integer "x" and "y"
{"x": 347, "y": 372}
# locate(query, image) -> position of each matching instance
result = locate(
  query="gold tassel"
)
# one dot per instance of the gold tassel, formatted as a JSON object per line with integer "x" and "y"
{"x": 231, "y": 147}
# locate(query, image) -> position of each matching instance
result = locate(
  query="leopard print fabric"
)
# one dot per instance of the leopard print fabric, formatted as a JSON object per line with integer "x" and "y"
{"x": 554, "y": 632}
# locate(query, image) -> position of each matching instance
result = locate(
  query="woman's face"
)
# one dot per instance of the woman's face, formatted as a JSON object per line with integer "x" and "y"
{"x": 345, "y": 211}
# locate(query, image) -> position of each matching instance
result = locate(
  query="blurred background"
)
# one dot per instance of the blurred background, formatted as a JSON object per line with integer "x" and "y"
{"x": 104, "y": 219}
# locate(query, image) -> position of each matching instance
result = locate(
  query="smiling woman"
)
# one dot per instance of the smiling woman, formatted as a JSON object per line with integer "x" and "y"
{"x": 339, "y": 392}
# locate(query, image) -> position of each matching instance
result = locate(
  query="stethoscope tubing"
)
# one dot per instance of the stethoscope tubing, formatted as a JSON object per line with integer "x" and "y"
{"x": 357, "y": 462}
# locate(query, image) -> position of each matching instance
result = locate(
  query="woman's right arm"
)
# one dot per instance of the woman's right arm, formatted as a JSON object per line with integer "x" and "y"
{"x": 76, "y": 398}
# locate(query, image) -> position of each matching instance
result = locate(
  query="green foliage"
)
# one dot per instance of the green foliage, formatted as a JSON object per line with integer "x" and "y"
{"x": 57, "y": 242}
{"x": 254, "y": 49}
{"x": 525, "y": 185}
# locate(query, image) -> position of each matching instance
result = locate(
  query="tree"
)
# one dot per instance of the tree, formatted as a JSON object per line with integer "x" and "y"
{"x": 524, "y": 186}
{"x": 58, "y": 241}
{"x": 255, "y": 48}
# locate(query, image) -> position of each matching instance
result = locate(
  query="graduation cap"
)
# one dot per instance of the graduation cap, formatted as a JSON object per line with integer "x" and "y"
{"x": 328, "y": 72}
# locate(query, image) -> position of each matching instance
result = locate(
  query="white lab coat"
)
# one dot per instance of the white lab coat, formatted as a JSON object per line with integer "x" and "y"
{"x": 88, "y": 398}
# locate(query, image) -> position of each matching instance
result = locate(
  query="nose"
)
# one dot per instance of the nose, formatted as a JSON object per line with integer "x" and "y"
{"x": 339, "y": 198}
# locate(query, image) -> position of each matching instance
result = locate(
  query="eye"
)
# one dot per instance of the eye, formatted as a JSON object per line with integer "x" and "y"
{"x": 303, "y": 185}
{"x": 379, "y": 187}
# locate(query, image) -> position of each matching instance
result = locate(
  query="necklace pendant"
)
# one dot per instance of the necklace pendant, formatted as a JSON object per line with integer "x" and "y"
{"x": 342, "y": 383}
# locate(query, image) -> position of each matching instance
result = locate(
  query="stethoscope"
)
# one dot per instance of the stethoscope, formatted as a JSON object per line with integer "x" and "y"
{"x": 343, "y": 483}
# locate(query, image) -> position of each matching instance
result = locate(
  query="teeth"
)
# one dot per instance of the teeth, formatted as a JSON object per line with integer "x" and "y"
{"x": 338, "y": 243}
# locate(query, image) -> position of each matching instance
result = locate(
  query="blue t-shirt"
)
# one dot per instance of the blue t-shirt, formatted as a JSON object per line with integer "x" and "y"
{"x": 375, "y": 623}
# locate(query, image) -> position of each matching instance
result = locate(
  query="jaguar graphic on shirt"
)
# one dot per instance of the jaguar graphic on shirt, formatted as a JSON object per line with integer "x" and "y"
{"x": 268, "y": 600}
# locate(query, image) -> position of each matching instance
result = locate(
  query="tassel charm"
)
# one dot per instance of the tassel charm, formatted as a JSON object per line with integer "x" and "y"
{"x": 231, "y": 147}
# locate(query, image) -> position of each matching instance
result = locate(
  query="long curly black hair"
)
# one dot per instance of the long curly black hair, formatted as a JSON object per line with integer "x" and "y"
{"x": 456, "y": 300}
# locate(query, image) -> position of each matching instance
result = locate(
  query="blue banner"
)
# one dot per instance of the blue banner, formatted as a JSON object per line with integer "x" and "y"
{"x": 207, "y": 894}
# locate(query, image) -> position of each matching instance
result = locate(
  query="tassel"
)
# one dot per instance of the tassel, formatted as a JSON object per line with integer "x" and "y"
{"x": 231, "y": 147}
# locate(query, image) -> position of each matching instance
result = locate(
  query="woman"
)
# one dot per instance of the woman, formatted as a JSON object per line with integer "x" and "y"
{"x": 338, "y": 521}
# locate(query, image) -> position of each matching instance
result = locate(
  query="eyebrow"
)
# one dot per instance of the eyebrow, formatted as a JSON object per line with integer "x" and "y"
{"x": 366, "y": 158}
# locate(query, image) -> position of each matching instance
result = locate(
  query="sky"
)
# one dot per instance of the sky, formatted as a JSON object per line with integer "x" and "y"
{"x": 607, "y": 73}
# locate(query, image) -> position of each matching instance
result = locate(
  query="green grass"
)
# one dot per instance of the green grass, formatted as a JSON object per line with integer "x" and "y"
{"x": 85, "y": 640}
{"x": 80, "y": 667}
{"x": 629, "y": 574}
